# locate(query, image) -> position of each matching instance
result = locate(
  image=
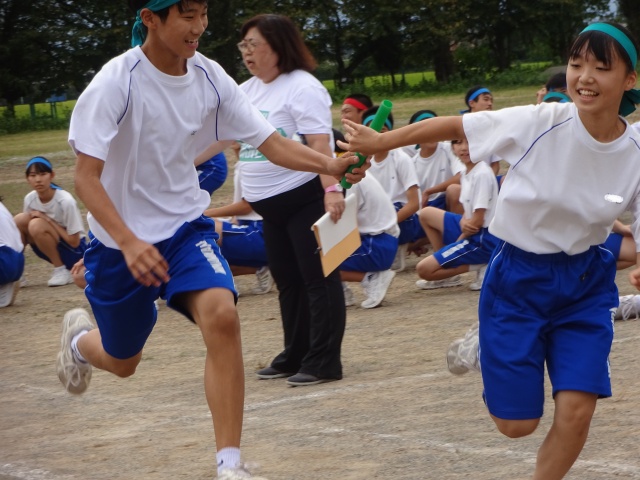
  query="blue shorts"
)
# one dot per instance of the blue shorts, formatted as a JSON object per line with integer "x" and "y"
{"x": 613, "y": 243}
{"x": 410, "y": 228}
{"x": 451, "y": 227}
{"x": 68, "y": 254}
{"x": 11, "y": 265}
{"x": 551, "y": 308}
{"x": 474, "y": 250}
{"x": 438, "y": 202}
{"x": 375, "y": 253}
{"x": 212, "y": 173}
{"x": 124, "y": 308}
{"x": 243, "y": 244}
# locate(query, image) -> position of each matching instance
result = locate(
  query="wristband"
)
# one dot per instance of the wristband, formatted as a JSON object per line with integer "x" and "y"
{"x": 334, "y": 188}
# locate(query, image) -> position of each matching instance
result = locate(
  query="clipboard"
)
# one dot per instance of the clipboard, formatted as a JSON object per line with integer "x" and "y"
{"x": 336, "y": 241}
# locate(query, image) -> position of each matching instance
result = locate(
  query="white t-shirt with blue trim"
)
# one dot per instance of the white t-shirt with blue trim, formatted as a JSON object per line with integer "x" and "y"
{"x": 564, "y": 189}
{"x": 148, "y": 127}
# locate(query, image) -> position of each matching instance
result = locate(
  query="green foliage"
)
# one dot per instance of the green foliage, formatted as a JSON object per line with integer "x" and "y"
{"x": 39, "y": 122}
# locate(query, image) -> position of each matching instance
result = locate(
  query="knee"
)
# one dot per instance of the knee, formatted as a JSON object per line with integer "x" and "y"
{"x": 219, "y": 320}
{"x": 425, "y": 268}
{"x": 516, "y": 428}
{"x": 36, "y": 227}
{"x": 125, "y": 368}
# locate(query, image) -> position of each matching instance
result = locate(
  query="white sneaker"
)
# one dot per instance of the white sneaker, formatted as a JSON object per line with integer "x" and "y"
{"x": 477, "y": 285}
{"x": 238, "y": 473}
{"x": 23, "y": 282}
{"x": 74, "y": 374}
{"x": 462, "y": 354}
{"x": 629, "y": 307}
{"x": 444, "y": 283}
{"x": 61, "y": 276}
{"x": 399, "y": 262}
{"x": 264, "y": 281}
{"x": 8, "y": 293}
{"x": 349, "y": 299}
{"x": 375, "y": 285}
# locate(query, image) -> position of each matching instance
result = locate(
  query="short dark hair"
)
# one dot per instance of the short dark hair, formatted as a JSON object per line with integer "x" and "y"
{"x": 38, "y": 166}
{"x": 470, "y": 93}
{"x": 557, "y": 81}
{"x": 422, "y": 113}
{"x": 602, "y": 46}
{"x": 285, "y": 40}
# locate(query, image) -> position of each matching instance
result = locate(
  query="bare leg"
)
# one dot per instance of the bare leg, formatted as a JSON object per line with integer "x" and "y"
{"x": 432, "y": 221}
{"x": 567, "y": 436}
{"x": 215, "y": 313}
{"x": 46, "y": 239}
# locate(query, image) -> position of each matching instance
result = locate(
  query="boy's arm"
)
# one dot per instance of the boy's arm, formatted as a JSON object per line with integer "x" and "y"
{"x": 295, "y": 156}
{"x": 367, "y": 141}
{"x": 441, "y": 187}
{"x": 471, "y": 226}
{"x": 412, "y": 205}
{"x": 238, "y": 208}
{"x": 144, "y": 261}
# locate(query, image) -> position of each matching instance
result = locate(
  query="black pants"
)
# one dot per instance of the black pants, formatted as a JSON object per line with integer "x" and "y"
{"x": 311, "y": 305}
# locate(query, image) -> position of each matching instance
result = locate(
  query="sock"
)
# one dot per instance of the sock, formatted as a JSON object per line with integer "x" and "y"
{"x": 74, "y": 346}
{"x": 228, "y": 457}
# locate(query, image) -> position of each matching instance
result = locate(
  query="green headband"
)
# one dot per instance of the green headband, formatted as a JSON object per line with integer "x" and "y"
{"x": 138, "y": 32}
{"x": 630, "y": 98}
{"x": 619, "y": 36}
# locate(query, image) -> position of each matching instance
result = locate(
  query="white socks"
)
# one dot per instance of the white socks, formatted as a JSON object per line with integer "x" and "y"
{"x": 74, "y": 346}
{"x": 228, "y": 457}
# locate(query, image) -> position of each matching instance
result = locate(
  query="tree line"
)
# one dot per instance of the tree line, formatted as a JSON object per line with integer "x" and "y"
{"x": 53, "y": 46}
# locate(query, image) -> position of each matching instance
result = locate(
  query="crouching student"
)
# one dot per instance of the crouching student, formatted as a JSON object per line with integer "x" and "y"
{"x": 461, "y": 242}
{"x": 371, "y": 263}
{"x": 11, "y": 257}
{"x": 51, "y": 222}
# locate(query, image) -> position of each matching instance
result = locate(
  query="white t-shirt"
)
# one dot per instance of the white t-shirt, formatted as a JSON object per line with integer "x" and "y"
{"x": 396, "y": 174}
{"x": 148, "y": 127}
{"x": 437, "y": 168}
{"x": 9, "y": 233}
{"x": 479, "y": 189}
{"x": 294, "y": 103}
{"x": 62, "y": 209}
{"x": 376, "y": 213}
{"x": 564, "y": 189}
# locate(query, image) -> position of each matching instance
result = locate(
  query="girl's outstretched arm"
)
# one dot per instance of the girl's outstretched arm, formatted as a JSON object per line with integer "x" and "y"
{"x": 367, "y": 141}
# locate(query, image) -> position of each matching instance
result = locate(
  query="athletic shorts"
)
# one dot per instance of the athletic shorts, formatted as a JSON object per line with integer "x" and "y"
{"x": 11, "y": 264}
{"x": 243, "y": 244}
{"x": 212, "y": 173}
{"x": 438, "y": 202}
{"x": 68, "y": 254}
{"x": 613, "y": 243}
{"x": 552, "y": 308}
{"x": 451, "y": 227}
{"x": 124, "y": 308}
{"x": 474, "y": 250}
{"x": 375, "y": 254}
{"x": 410, "y": 228}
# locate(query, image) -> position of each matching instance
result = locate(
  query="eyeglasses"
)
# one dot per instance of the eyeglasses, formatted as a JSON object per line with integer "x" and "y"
{"x": 248, "y": 46}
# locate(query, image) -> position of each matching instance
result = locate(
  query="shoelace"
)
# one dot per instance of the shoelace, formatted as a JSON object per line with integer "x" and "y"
{"x": 72, "y": 372}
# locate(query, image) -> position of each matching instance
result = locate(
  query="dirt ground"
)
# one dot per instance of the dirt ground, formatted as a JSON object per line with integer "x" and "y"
{"x": 397, "y": 414}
